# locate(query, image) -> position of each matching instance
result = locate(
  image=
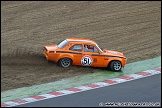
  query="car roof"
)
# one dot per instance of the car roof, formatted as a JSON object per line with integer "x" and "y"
{"x": 79, "y": 40}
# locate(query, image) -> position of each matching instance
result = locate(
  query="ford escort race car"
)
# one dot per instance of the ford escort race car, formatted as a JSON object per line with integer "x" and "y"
{"x": 83, "y": 52}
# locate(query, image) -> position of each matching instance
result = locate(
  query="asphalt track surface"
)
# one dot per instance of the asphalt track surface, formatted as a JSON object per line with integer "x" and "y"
{"x": 144, "y": 90}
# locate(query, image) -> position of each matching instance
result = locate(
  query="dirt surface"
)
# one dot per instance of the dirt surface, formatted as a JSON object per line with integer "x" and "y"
{"x": 131, "y": 27}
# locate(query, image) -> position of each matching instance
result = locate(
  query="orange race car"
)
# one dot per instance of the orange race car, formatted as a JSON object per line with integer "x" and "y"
{"x": 83, "y": 52}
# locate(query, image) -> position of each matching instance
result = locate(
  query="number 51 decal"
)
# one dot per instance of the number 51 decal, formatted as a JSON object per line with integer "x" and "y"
{"x": 86, "y": 60}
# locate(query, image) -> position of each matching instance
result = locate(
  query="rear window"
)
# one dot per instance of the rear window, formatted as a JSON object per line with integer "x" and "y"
{"x": 62, "y": 44}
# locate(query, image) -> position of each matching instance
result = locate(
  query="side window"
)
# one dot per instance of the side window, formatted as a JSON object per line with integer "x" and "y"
{"x": 96, "y": 50}
{"x": 77, "y": 47}
{"x": 90, "y": 48}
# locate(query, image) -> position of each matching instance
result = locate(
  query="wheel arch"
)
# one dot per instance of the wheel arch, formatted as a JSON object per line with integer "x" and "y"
{"x": 111, "y": 65}
{"x": 65, "y": 56}
{"x": 117, "y": 59}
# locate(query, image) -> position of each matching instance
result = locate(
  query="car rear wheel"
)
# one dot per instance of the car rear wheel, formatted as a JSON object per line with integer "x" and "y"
{"x": 115, "y": 66}
{"x": 65, "y": 62}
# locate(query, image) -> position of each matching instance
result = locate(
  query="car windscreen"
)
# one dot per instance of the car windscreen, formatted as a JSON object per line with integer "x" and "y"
{"x": 99, "y": 47}
{"x": 62, "y": 44}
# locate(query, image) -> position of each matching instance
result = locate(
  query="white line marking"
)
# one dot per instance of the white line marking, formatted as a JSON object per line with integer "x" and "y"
{"x": 65, "y": 91}
{"x": 30, "y": 99}
{"x": 136, "y": 76}
{"x": 11, "y": 103}
{"x": 101, "y": 84}
{"x": 48, "y": 95}
{"x": 119, "y": 80}
{"x": 152, "y": 71}
{"x": 83, "y": 88}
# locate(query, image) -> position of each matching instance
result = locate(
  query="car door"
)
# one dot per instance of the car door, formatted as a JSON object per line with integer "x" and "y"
{"x": 91, "y": 56}
{"x": 76, "y": 51}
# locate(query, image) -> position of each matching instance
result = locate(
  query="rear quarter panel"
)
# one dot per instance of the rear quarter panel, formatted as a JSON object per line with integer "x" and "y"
{"x": 64, "y": 55}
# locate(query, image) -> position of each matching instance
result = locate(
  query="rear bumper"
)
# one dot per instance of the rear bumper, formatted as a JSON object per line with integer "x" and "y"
{"x": 45, "y": 54}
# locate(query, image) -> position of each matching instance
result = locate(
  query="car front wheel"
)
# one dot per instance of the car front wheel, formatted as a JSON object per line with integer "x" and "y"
{"x": 115, "y": 66}
{"x": 65, "y": 62}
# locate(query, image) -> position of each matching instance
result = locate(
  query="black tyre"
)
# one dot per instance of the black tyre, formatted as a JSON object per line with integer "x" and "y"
{"x": 115, "y": 66}
{"x": 65, "y": 62}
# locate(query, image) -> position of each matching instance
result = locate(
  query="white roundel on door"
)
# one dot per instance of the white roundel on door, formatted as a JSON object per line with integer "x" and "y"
{"x": 86, "y": 60}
